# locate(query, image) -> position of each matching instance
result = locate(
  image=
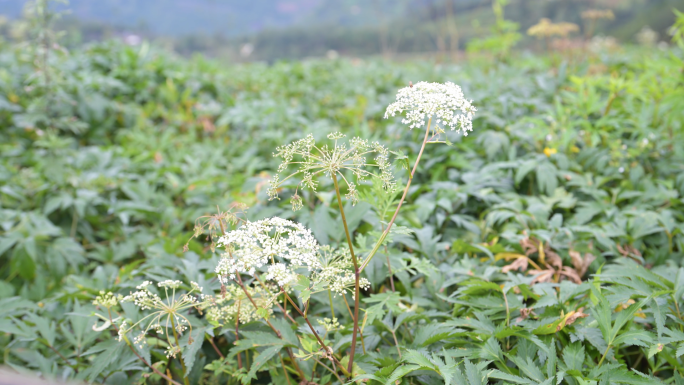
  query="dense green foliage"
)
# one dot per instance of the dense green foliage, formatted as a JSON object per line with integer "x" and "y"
{"x": 544, "y": 248}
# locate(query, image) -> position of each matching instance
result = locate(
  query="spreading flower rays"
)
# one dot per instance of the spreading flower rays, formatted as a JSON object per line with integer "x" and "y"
{"x": 445, "y": 102}
{"x": 167, "y": 317}
{"x": 333, "y": 161}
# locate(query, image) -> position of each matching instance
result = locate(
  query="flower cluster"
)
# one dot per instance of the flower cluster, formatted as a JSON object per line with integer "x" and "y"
{"x": 334, "y": 160}
{"x": 168, "y": 312}
{"x": 330, "y": 324}
{"x": 268, "y": 241}
{"x": 337, "y": 272}
{"x": 444, "y": 101}
{"x": 106, "y": 300}
{"x": 235, "y": 304}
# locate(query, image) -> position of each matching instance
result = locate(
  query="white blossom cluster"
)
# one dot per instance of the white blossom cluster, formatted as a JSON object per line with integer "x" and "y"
{"x": 235, "y": 304}
{"x": 350, "y": 157}
{"x": 337, "y": 272}
{"x": 272, "y": 242}
{"x": 424, "y": 100}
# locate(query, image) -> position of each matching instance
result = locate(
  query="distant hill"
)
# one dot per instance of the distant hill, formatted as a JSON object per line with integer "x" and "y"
{"x": 299, "y": 28}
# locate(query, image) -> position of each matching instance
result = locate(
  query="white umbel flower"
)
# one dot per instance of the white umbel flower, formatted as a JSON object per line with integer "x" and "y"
{"x": 347, "y": 157}
{"x": 268, "y": 241}
{"x": 445, "y": 102}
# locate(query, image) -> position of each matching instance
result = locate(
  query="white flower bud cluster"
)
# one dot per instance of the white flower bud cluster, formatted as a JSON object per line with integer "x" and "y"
{"x": 337, "y": 272}
{"x": 260, "y": 243}
{"x": 424, "y": 100}
{"x": 330, "y": 324}
{"x": 224, "y": 310}
{"x": 106, "y": 300}
{"x": 172, "y": 351}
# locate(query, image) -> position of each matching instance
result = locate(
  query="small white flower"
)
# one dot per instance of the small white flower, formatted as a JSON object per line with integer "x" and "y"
{"x": 260, "y": 243}
{"x": 621, "y": 170}
{"x": 424, "y": 100}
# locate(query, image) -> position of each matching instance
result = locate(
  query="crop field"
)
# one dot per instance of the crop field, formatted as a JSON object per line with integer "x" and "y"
{"x": 166, "y": 220}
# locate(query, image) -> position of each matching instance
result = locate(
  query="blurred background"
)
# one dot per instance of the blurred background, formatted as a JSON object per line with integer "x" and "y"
{"x": 294, "y": 29}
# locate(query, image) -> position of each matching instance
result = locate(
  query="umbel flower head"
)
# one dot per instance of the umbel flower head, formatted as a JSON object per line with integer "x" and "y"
{"x": 311, "y": 161}
{"x": 424, "y": 100}
{"x": 336, "y": 272}
{"x": 166, "y": 314}
{"x": 235, "y": 304}
{"x": 281, "y": 244}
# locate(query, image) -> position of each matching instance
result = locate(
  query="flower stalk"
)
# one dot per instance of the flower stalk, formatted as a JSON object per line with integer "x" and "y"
{"x": 401, "y": 201}
{"x": 357, "y": 291}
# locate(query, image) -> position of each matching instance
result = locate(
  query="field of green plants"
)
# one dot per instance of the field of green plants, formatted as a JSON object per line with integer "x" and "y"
{"x": 136, "y": 204}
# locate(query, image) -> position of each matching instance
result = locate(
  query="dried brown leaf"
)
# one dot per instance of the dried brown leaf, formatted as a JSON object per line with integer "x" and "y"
{"x": 519, "y": 263}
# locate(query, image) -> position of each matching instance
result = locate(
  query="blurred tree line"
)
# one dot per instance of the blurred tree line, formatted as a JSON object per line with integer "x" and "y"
{"x": 394, "y": 28}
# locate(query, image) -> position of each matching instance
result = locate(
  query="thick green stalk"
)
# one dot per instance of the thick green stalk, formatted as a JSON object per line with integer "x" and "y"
{"x": 396, "y": 212}
{"x": 357, "y": 273}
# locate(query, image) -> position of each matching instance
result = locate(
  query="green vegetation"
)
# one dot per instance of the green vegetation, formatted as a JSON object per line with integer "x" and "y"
{"x": 545, "y": 247}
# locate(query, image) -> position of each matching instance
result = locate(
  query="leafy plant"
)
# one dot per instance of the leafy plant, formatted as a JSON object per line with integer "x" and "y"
{"x": 543, "y": 247}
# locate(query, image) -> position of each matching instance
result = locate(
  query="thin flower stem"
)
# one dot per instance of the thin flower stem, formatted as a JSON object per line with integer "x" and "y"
{"x": 396, "y": 212}
{"x": 389, "y": 264}
{"x": 284, "y": 370}
{"x": 237, "y": 328}
{"x": 363, "y": 343}
{"x": 332, "y": 310}
{"x": 357, "y": 291}
{"x": 328, "y": 351}
{"x": 213, "y": 344}
{"x": 396, "y": 343}
{"x": 128, "y": 343}
{"x": 276, "y": 331}
{"x": 281, "y": 307}
{"x": 180, "y": 355}
{"x": 604, "y": 356}
{"x": 330, "y": 370}
{"x": 62, "y": 357}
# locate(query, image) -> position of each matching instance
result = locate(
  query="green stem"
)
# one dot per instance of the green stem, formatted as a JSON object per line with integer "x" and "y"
{"x": 180, "y": 355}
{"x": 276, "y": 331}
{"x": 130, "y": 346}
{"x": 332, "y": 310}
{"x": 396, "y": 212}
{"x": 604, "y": 356}
{"x": 327, "y": 350}
{"x": 357, "y": 274}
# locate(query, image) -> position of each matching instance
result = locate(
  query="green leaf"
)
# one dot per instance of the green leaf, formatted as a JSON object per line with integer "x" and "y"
{"x": 634, "y": 337}
{"x": 473, "y": 373}
{"x": 400, "y": 372}
{"x": 260, "y": 361}
{"x": 509, "y": 377}
{"x": 491, "y": 350}
{"x": 192, "y": 347}
{"x": 111, "y": 352}
{"x": 417, "y": 358}
{"x": 573, "y": 356}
